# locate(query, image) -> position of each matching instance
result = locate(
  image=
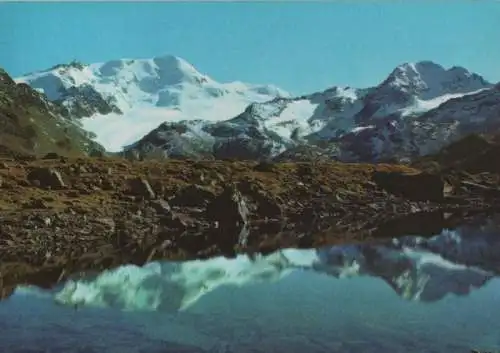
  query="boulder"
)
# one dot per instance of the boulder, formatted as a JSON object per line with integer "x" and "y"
{"x": 47, "y": 178}
{"x": 266, "y": 205}
{"x": 167, "y": 216}
{"x": 229, "y": 208}
{"x": 141, "y": 187}
{"x": 230, "y": 212}
{"x": 412, "y": 186}
{"x": 192, "y": 196}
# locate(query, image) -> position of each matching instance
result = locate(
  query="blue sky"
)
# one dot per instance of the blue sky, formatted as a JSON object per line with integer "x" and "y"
{"x": 299, "y": 46}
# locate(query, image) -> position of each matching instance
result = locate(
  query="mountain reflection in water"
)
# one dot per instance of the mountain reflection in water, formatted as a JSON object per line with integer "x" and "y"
{"x": 291, "y": 300}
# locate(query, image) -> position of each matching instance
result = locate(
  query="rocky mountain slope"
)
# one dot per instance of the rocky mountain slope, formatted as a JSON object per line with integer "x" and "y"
{"x": 405, "y": 138}
{"x": 397, "y": 137}
{"x": 31, "y": 124}
{"x": 170, "y": 110}
{"x": 474, "y": 153}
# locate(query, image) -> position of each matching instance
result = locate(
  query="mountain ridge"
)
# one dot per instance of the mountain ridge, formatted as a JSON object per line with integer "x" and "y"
{"x": 164, "y": 108}
{"x": 137, "y": 95}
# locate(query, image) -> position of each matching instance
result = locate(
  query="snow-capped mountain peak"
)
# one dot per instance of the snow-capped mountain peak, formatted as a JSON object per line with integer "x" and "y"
{"x": 128, "y": 83}
{"x": 148, "y": 76}
{"x": 414, "y": 88}
{"x": 134, "y": 96}
{"x": 428, "y": 80}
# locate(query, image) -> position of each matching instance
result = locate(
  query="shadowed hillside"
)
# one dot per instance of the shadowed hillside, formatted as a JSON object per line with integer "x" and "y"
{"x": 30, "y": 124}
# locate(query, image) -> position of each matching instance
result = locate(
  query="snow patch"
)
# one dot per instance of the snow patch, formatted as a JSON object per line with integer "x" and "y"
{"x": 114, "y": 131}
{"x": 421, "y": 106}
{"x": 296, "y": 115}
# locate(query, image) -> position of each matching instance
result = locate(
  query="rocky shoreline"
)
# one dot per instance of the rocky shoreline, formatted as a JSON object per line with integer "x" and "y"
{"x": 60, "y": 216}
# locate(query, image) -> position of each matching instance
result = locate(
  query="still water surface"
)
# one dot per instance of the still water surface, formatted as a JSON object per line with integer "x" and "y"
{"x": 412, "y": 295}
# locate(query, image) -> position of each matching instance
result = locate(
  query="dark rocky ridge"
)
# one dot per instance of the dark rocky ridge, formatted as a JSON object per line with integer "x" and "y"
{"x": 475, "y": 153}
{"x": 85, "y": 101}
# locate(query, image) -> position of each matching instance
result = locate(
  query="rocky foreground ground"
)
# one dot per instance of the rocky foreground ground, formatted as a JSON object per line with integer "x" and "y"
{"x": 59, "y": 216}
